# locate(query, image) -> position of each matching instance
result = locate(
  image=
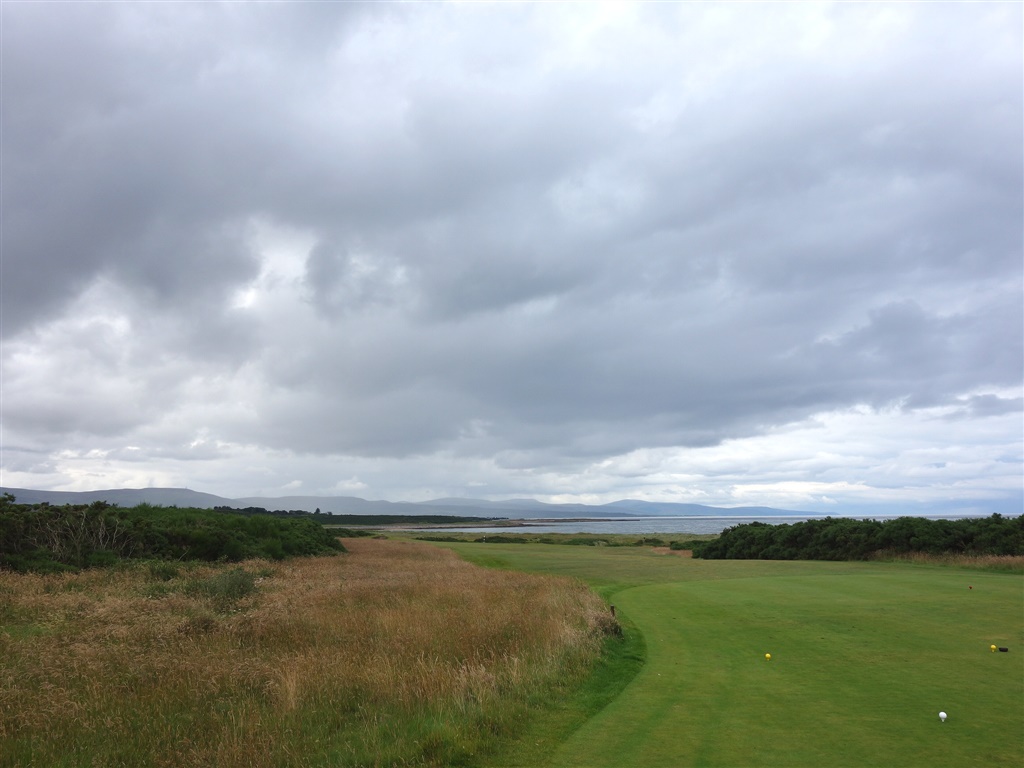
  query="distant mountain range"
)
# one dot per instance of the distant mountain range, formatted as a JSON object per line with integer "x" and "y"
{"x": 352, "y": 505}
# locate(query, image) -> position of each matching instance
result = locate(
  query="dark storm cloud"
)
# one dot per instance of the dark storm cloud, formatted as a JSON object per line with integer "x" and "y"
{"x": 545, "y": 235}
{"x": 137, "y": 140}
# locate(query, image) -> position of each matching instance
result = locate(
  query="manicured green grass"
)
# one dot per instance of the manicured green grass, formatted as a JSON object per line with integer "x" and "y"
{"x": 864, "y": 656}
{"x": 562, "y": 714}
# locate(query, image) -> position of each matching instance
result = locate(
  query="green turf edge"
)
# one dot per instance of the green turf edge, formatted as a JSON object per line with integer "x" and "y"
{"x": 553, "y": 721}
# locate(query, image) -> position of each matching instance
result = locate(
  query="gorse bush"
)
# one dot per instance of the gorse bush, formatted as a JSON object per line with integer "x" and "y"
{"x": 45, "y": 538}
{"x": 225, "y": 588}
{"x": 848, "y": 539}
{"x": 163, "y": 571}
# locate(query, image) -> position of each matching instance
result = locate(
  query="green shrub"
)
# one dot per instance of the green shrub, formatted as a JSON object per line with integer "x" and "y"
{"x": 47, "y": 538}
{"x": 272, "y": 549}
{"x": 502, "y": 538}
{"x": 163, "y": 571}
{"x": 351, "y": 533}
{"x": 651, "y": 541}
{"x": 101, "y": 558}
{"x": 224, "y": 588}
{"x": 850, "y": 539}
{"x": 438, "y": 538}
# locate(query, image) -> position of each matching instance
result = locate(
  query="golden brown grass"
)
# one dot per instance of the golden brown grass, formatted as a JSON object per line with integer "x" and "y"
{"x": 395, "y": 654}
{"x": 1005, "y": 563}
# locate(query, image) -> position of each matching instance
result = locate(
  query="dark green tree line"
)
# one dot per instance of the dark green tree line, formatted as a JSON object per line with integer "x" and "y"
{"x": 849, "y": 539}
{"x": 44, "y": 537}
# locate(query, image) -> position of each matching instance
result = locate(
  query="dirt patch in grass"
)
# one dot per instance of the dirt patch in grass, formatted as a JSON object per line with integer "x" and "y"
{"x": 676, "y": 552}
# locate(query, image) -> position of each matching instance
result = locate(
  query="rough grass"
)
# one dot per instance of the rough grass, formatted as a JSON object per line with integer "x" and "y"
{"x": 1002, "y": 563}
{"x": 397, "y": 654}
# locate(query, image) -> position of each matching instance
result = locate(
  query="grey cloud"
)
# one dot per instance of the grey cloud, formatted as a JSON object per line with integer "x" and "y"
{"x": 344, "y": 278}
{"x": 906, "y": 353}
{"x": 525, "y": 245}
{"x": 136, "y": 137}
{"x": 990, "y": 404}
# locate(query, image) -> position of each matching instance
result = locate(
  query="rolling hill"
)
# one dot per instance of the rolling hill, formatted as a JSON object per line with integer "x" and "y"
{"x": 353, "y": 505}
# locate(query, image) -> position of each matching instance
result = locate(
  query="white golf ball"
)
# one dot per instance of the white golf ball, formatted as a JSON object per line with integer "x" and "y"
{"x": 942, "y": 716}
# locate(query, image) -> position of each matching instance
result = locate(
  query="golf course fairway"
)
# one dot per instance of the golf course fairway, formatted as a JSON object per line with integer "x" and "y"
{"x": 864, "y": 656}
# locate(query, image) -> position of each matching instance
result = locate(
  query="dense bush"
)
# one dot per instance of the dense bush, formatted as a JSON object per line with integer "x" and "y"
{"x": 438, "y": 538}
{"x": 501, "y": 538}
{"x": 352, "y": 533}
{"x": 50, "y": 538}
{"x": 849, "y": 539}
{"x": 224, "y": 588}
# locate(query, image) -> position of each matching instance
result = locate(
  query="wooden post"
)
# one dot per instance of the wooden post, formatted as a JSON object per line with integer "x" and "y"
{"x": 613, "y": 611}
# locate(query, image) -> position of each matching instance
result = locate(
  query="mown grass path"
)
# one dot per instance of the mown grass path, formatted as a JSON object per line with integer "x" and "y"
{"x": 864, "y": 656}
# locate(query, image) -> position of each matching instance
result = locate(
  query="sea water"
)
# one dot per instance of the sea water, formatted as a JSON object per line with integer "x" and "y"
{"x": 651, "y": 525}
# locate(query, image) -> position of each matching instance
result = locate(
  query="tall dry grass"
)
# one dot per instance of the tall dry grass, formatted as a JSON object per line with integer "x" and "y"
{"x": 395, "y": 654}
{"x": 1002, "y": 563}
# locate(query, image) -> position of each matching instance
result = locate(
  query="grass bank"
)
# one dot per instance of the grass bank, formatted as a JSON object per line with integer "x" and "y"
{"x": 395, "y": 654}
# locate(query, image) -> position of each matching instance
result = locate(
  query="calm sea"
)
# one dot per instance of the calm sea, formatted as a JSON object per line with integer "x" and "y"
{"x": 685, "y": 524}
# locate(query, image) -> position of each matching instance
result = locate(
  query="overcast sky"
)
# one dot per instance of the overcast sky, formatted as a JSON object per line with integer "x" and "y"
{"x": 719, "y": 253}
